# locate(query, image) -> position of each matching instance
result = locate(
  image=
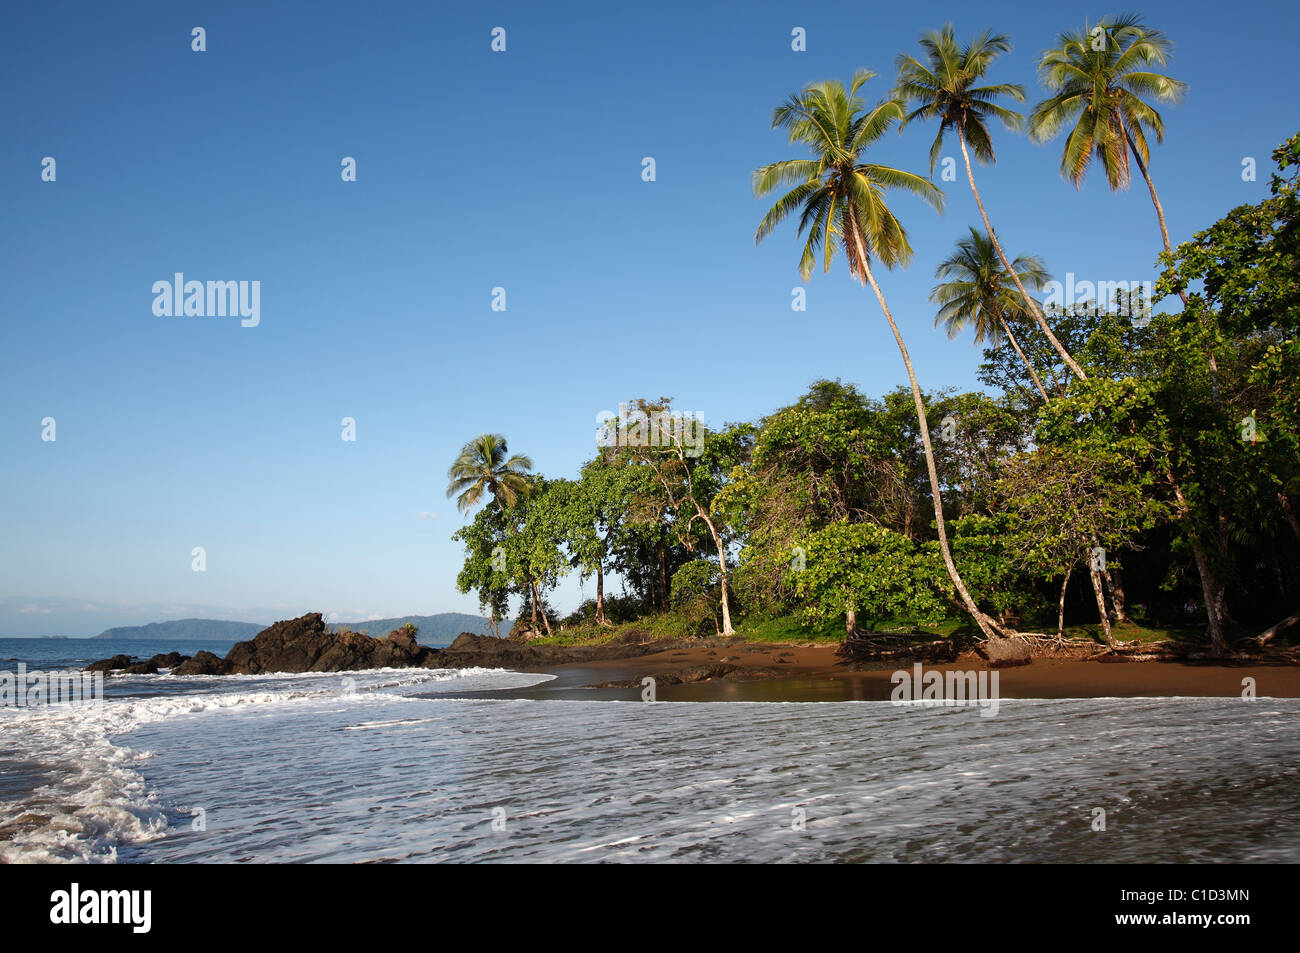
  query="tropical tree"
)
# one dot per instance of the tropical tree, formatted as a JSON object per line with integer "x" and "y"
{"x": 980, "y": 295}
{"x": 688, "y": 479}
{"x": 1098, "y": 77}
{"x": 842, "y": 203}
{"x": 482, "y": 467}
{"x": 587, "y": 512}
{"x": 944, "y": 88}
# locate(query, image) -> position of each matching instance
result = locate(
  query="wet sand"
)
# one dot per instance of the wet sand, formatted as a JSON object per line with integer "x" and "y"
{"x": 813, "y": 673}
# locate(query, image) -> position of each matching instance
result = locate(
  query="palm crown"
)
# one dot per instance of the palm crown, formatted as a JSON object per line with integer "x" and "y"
{"x": 979, "y": 293}
{"x": 1099, "y": 77}
{"x": 944, "y": 88}
{"x": 482, "y": 467}
{"x": 841, "y": 197}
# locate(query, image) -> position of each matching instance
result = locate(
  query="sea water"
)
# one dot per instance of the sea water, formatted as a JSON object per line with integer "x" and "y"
{"x": 389, "y": 766}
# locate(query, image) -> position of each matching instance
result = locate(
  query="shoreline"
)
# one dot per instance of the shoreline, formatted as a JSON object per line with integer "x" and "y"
{"x": 757, "y": 672}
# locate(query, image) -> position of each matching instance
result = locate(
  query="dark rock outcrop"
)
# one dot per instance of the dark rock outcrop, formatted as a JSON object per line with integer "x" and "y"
{"x": 170, "y": 660}
{"x": 486, "y": 651}
{"x": 107, "y": 665}
{"x": 152, "y": 665}
{"x": 203, "y": 663}
{"x": 305, "y": 644}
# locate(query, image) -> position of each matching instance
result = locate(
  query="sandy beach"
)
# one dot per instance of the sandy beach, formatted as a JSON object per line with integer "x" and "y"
{"x": 813, "y": 673}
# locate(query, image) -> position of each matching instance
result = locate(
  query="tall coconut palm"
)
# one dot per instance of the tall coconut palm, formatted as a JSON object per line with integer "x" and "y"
{"x": 1098, "y": 77}
{"x": 944, "y": 88}
{"x": 841, "y": 200}
{"x": 482, "y": 467}
{"x": 979, "y": 294}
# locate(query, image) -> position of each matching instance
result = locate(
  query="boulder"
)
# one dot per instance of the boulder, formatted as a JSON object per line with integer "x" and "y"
{"x": 487, "y": 651}
{"x": 203, "y": 663}
{"x": 107, "y": 665}
{"x": 170, "y": 660}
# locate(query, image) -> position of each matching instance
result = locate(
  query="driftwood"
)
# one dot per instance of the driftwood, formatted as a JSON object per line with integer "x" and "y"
{"x": 863, "y": 646}
{"x": 1020, "y": 648}
{"x": 1277, "y": 627}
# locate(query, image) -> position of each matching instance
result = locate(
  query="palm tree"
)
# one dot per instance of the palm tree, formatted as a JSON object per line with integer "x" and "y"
{"x": 482, "y": 467}
{"x": 842, "y": 205}
{"x": 979, "y": 294}
{"x": 1098, "y": 78}
{"x": 945, "y": 90}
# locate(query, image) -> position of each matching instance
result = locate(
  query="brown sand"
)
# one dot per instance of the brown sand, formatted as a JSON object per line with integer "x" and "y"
{"x": 808, "y": 672}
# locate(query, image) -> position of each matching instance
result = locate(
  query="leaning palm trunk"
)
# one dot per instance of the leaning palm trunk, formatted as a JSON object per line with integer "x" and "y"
{"x": 1164, "y": 237}
{"x": 1029, "y": 302}
{"x": 986, "y": 625}
{"x": 1155, "y": 199}
{"x": 1006, "y": 329}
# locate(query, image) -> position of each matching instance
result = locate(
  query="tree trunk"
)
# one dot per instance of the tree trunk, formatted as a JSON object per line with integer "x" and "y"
{"x": 1006, "y": 328}
{"x": 722, "y": 568}
{"x": 986, "y": 625}
{"x": 662, "y": 574}
{"x": 546, "y": 623}
{"x": 1095, "y": 576}
{"x": 600, "y": 595}
{"x": 1115, "y": 583}
{"x": 1277, "y": 627}
{"x": 1211, "y": 590}
{"x": 1155, "y": 199}
{"x": 1029, "y": 302}
{"x": 850, "y": 623}
{"x": 1060, "y": 616}
{"x": 1164, "y": 237}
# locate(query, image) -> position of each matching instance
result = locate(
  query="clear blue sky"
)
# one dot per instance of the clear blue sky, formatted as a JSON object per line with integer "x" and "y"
{"x": 476, "y": 169}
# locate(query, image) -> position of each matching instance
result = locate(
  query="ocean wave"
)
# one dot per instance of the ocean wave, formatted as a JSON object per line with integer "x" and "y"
{"x": 72, "y": 794}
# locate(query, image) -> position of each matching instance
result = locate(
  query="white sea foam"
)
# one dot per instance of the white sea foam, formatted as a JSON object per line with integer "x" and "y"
{"x": 87, "y": 796}
{"x": 374, "y": 766}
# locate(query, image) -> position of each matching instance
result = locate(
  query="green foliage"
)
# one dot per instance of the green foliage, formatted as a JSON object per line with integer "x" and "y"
{"x": 1179, "y": 455}
{"x": 988, "y": 565}
{"x": 693, "y": 581}
{"x": 872, "y": 571}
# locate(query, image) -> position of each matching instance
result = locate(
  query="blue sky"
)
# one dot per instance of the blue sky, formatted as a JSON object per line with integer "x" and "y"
{"x": 475, "y": 170}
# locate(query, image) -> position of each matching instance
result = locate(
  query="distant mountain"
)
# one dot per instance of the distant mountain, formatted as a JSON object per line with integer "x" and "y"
{"x": 435, "y": 630}
{"x": 183, "y": 630}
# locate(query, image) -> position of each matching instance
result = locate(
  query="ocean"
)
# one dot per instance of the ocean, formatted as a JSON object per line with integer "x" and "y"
{"x": 389, "y": 766}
